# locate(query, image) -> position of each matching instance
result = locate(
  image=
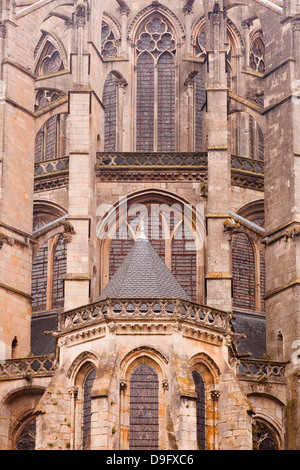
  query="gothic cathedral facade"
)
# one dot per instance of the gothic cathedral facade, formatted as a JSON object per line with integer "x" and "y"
{"x": 149, "y": 225}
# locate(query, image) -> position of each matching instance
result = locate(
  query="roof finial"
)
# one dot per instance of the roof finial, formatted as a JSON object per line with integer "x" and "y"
{"x": 142, "y": 234}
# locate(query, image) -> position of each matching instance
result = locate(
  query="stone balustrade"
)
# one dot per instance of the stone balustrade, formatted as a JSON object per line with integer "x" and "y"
{"x": 259, "y": 369}
{"x": 145, "y": 309}
{"x": 51, "y": 166}
{"x": 28, "y": 367}
{"x": 152, "y": 159}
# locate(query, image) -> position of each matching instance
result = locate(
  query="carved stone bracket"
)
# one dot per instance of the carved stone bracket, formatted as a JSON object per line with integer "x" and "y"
{"x": 5, "y": 239}
{"x": 165, "y": 384}
{"x": 215, "y": 395}
{"x": 123, "y": 384}
{"x": 292, "y": 232}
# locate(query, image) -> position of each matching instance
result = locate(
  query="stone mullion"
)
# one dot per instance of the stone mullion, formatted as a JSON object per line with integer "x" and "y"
{"x": 155, "y": 136}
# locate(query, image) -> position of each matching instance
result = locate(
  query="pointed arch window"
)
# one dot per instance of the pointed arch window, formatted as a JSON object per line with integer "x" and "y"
{"x": 199, "y": 98}
{"x": 87, "y": 408}
{"x": 110, "y": 116}
{"x": 257, "y": 53}
{"x": 108, "y": 42}
{"x": 50, "y": 60}
{"x": 144, "y": 409}
{"x": 200, "y": 409}
{"x": 27, "y": 435}
{"x": 168, "y": 234}
{"x": 243, "y": 271}
{"x": 51, "y": 140}
{"x": 264, "y": 436}
{"x": 48, "y": 272}
{"x": 155, "y": 122}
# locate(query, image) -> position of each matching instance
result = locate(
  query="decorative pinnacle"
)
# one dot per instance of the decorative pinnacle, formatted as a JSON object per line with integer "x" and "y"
{"x": 142, "y": 235}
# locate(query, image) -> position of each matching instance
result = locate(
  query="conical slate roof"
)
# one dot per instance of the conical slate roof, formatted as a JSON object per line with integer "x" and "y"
{"x": 143, "y": 274}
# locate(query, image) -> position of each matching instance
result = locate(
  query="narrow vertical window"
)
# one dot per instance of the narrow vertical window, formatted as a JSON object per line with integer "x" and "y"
{"x": 145, "y": 104}
{"x": 144, "y": 408}
{"x": 156, "y": 49}
{"x": 87, "y": 409}
{"x": 243, "y": 272}
{"x": 26, "y": 437}
{"x": 59, "y": 272}
{"x": 257, "y": 54}
{"x": 50, "y": 141}
{"x": 39, "y": 279}
{"x": 262, "y": 281}
{"x": 166, "y": 104}
{"x": 199, "y": 102}
{"x": 200, "y": 409}
{"x": 110, "y": 106}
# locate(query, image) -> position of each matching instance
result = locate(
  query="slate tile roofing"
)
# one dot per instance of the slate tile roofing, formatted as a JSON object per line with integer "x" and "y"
{"x": 143, "y": 274}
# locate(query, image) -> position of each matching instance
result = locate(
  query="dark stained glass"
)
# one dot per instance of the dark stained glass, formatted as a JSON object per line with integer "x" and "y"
{"x": 59, "y": 272}
{"x": 200, "y": 405}
{"x": 110, "y": 106}
{"x": 199, "y": 102}
{"x": 243, "y": 272}
{"x": 145, "y": 104}
{"x": 144, "y": 408}
{"x": 86, "y": 412}
{"x": 39, "y": 279}
{"x": 26, "y": 438}
{"x": 166, "y": 104}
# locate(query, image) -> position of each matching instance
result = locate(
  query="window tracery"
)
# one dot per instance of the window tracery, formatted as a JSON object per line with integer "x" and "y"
{"x": 156, "y": 48}
{"x": 108, "y": 42}
{"x": 200, "y": 409}
{"x": 26, "y": 436}
{"x": 48, "y": 271}
{"x": 50, "y": 60}
{"x": 169, "y": 235}
{"x": 257, "y": 54}
{"x": 46, "y": 97}
{"x": 264, "y": 436}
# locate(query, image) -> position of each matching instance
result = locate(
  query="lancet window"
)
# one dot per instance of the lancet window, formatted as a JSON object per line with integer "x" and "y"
{"x": 46, "y": 97}
{"x": 26, "y": 436}
{"x": 155, "y": 122}
{"x": 50, "y": 60}
{"x": 110, "y": 106}
{"x": 87, "y": 408}
{"x": 50, "y": 141}
{"x": 144, "y": 409}
{"x": 169, "y": 235}
{"x": 48, "y": 271}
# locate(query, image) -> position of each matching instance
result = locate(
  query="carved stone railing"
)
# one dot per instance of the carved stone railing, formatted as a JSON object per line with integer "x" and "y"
{"x": 144, "y": 309}
{"x": 260, "y": 369}
{"x": 247, "y": 165}
{"x": 51, "y": 166}
{"x": 28, "y": 367}
{"x": 154, "y": 159}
